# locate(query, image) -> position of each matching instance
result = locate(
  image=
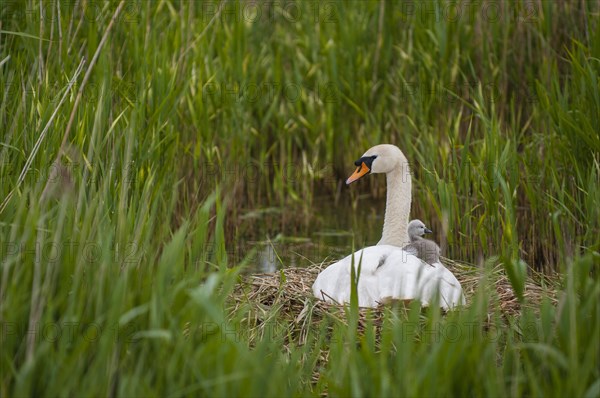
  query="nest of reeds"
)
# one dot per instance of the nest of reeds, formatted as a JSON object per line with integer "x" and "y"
{"x": 286, "y": 296}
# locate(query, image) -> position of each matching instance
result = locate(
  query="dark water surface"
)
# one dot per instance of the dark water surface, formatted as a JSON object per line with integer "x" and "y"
{"x": 273, "y": 238}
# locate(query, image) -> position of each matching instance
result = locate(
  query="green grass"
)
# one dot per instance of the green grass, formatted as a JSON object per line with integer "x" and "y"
{"x": 117, "y": 281}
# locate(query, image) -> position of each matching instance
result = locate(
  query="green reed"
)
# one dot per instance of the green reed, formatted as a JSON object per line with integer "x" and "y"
{"x": 114, "y": 270}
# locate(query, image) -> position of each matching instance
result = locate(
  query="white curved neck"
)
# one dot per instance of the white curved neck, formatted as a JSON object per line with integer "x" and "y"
{"x": 397, "y": 207}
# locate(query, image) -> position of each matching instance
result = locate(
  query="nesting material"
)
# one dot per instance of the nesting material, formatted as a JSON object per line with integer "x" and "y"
{"x": 288, "y": 293}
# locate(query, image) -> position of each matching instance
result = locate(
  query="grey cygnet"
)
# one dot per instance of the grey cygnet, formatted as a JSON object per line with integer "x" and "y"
{"x": 425, "y": 249}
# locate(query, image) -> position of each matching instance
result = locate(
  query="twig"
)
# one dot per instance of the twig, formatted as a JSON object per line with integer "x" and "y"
{"x": 323, "y": 295}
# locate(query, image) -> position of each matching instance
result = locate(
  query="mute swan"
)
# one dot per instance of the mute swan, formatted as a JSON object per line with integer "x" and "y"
{"x": 425, "y": 249}
{"x": 386, "y": 271}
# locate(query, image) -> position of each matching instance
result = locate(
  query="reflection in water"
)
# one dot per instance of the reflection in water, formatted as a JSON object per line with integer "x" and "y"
{"x": 267, "y": 260}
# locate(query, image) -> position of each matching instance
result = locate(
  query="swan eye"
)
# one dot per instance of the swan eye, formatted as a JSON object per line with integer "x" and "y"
{"x": 368, "y": 160}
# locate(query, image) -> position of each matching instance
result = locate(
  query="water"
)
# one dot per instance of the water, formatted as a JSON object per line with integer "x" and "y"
{"x": 275, "y": 238}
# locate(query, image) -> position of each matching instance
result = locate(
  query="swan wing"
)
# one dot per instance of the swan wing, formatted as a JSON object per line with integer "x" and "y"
{"x": 451, "y": 293}
{"x": 333, "y": 283}
{"x": 388, "y": 273}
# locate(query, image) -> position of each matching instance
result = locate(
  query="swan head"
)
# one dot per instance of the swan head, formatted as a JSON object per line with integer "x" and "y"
{"x": 416, "y": 228}
{"x": 379, "y": 159}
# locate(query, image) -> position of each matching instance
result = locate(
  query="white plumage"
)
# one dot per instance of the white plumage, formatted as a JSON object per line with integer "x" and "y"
{"x": 389, "y": 273}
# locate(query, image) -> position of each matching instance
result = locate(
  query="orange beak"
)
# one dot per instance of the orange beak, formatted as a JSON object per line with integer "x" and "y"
{"x": 360, "y": 171}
